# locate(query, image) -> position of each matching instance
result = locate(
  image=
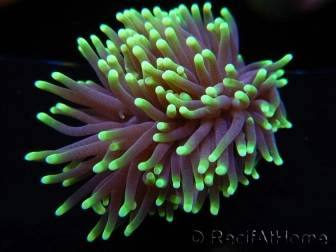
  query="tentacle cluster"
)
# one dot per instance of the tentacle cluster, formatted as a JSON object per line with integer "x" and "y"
{"x": 178, "y": 116}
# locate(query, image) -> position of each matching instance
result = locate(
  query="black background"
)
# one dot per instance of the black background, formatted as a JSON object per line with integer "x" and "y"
{"x": 297, "y": 196}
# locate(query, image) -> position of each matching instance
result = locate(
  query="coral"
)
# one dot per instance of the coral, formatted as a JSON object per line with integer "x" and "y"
{"x": 179, "y": 116}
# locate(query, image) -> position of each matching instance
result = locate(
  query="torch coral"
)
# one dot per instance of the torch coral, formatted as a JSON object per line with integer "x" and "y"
{"x": 178, "y": 116}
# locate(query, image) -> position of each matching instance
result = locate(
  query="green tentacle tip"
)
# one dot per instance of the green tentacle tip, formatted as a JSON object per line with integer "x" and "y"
{"x": 255, "y": 175}
{"x": 114, "y": 165}
{"x": 128, "y": 231}
{"x": 195, "y": 209}
{"x": 106, "y": 235}
{"x": 213, "y": 157}
{"x": 161, "y": 183}
{"x": 162, "y": 126}
{"x": 288, "y": 125}
{"x": 139, "y": 102}
{"x": 278, "y": 161}
{"x": 143, "y": 166}
{"x": 57, "y": 76}
{"x": 103, "y": 27}
{"x": 46, "y": 179}
{"x": 229, "y": 68}
{"x": 159, "y": 202}
{"x": 113, "y": 76}
{"x": 53, "y": 159}
{"x": 182, "y": 151}
{"x": 87, "y": 204}
{"x": 62, "y": 106}
{"x": 99, "y": 209}
{"x": 40, "y": 84}
{"x": 241, "y": 150}
{"x": 31, "y": 156}
{"x": 230, "y": 190}
{"x": 99, "y": 167}
{"x": 214, "y": 210}
{"x": 187, "y": 207}
{"x": 91, "y": 236}
{"x": 169, "y": 218}
{"x": 62, "y": 210}
{"x": 42, "y": 117}
{"x": 245, "y": 181}
{"x": 250, "y": 148}
{"x": 104, "y": 136}
{"x": 176, "y": 184}
{"x": 123, "y": 211}
{"x": 171, "y": 111}
{"x": 264, "y": 107}
{"x": 267, "y": 126}
{"x": 200, "y": 186}
{"x": 115, "y": 146}
{"x": 211, "y": 91}
{"x": 241, "y": 96}
{"x": 287, "y": 57}
{"x": 207, "y": 6}
{"x": 221, "y": 170}
{"x": 81, "y": 41}
{"x": 208, "y": 180}
{"x": 157, "y": 137}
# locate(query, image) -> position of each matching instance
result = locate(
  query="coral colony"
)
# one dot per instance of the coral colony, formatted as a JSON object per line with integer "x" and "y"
{"x": 178, "y": 116}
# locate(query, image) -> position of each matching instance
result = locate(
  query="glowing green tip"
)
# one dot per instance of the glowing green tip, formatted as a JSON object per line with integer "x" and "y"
{"x": 42, "y": 116}
{"x": 160, "y": 183}
{"x": 143, "y": 166}
{"x": 46, "y": 179}
{"x": 264, "y": 107}
{"x": 214, "y": 210}
{"x": 123, "y": 211}
{"x": 221, "y": 170}
{"x": 104, "y": 135}
{"x": 208, "y": 180}
{"x": 187, "y": 207}
{"x": 106, "y": 235}
{"x": 57, "y": 76}
{"x": 169, "y": 218}
{"x": 114, "y": 165}
{"x": 103, "y": 27}
{"x": 255, "y": 174}
{"x": 141, "y": 103}
{"x": 128, "y": 231}
{"x": 158, "y": 169}
{"x": 53, "y": 159}
{"x": 99, "y": 167}
{"x": 213, "y": 157}
{"x": 203, "y": 166}
{"x": 182, "y": 151}
{"x": 211, "y": 91}
{"x": 150, "y": 178}
{"x": 91, "y": 236}
{"x": 171, "y": 111}
{"x": 229, "y": 68}
{"x": 287, "y": 57}
{"x": 176, "y": 184}
{"x": 278, "y": 161}
{"x": 231, "y": 190}
{"x": 245, "y": 181}
{"x": 62, "y": 209}
{"x": 30, "y": 156}
{"x": 156, "y": 137}
{"x": 87, "y": 204}
{"x": 40, "y": 84}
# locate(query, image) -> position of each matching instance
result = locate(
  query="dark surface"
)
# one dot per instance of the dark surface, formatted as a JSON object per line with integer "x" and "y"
{"x": 297, "y": 196}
